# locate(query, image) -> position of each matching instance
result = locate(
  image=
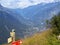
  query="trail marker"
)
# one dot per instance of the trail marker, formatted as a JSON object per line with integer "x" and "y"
{"x": 19, "y": 42}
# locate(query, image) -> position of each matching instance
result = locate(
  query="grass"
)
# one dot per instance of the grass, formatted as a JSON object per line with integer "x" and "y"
{"x": 44, "y": 38}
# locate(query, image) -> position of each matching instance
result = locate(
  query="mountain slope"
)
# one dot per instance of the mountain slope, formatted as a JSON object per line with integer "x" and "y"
{"x": 7, "y": 23}
{"x": 35, "y": 16}
{"x": 33, "y": 10}
{"x": 44, "y": 38}
{"x": 40, "y": 9}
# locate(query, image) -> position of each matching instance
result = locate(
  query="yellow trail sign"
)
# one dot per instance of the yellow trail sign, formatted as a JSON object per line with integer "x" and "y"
{"x": 9, "y": 39}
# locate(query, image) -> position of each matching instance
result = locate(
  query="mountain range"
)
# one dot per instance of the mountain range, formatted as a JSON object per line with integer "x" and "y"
{"x": 36, "y": 16}
{"x": 26, "y": 21}
{"x": 7, "y": 23}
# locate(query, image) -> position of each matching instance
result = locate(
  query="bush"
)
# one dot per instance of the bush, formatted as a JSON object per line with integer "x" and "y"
{"x": 55, "y": 24}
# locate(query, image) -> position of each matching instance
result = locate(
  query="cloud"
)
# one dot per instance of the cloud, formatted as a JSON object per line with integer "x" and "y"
{"x": 25, "y": 3}
{"x": 22, "y": 3}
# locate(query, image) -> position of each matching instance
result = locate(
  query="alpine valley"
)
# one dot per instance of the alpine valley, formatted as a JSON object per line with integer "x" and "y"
{"x": 26, "y": 21}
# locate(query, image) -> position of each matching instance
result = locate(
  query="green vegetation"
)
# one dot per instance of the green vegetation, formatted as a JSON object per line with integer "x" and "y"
{"x": 55, "y": 24}
{"x": 48, "y": 37}
{"x": 44, "y": 38}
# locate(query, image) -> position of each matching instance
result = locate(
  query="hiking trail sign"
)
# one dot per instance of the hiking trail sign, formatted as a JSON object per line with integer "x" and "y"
{"x": 11, "y": 39}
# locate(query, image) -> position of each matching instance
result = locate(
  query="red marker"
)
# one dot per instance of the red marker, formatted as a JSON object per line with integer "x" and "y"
{"x": 19, "y": 42}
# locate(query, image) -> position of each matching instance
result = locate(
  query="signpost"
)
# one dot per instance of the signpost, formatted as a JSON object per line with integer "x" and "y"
{"x": 12, "y": 34}
{"x": 11, "y": 39}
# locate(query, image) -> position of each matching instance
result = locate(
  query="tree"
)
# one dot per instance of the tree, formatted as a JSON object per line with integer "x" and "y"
{"x": 55, "y": 24}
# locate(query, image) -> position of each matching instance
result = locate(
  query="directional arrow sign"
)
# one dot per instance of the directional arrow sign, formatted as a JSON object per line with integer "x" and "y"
{"x": 9, "y": 39}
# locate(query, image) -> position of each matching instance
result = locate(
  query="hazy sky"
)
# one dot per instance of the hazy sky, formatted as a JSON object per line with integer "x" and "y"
{"x": 22, "y": 3}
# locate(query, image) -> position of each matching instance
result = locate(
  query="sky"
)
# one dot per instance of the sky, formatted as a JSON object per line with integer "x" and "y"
{"x": 22, "y": 3}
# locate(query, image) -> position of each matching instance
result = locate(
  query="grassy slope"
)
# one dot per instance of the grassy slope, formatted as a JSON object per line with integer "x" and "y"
{"x": 44, "y": 38}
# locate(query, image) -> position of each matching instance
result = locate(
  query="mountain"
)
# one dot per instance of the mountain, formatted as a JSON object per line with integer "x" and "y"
{"x": 26, "y": 21}
{"x": 41, "y": 10}
{"x": 36, "y": 15}
{"x": 9, "y": 22}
